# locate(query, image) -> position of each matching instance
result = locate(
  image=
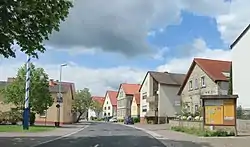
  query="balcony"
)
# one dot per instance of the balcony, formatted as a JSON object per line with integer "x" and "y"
{"x": 151, "y": 99}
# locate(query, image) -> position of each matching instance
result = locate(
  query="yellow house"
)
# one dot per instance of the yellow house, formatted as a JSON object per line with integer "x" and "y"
{"x": 50, "y": 116}
{"x": 135, "y": 107}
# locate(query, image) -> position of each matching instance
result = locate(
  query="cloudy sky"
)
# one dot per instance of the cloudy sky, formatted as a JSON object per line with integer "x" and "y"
{"x": 109, "y": 42}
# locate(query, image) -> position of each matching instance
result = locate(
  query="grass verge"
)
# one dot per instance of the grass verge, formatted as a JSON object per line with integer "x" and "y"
{"x": 19, "y": 128}
{"x": 205, "y": 133}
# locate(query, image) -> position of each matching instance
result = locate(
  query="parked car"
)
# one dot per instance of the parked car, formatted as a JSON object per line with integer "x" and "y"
{"x": 128, "y": 120}
{"x": 113, "y": 119}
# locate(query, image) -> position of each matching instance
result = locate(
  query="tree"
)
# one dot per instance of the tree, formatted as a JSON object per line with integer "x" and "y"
{"x": 82, "y": 102}
{"x": 40, "y": 98}
{"x": 97, "y": 107}
{"x": 230, "y": 88}
{"x": 28, "y": 23}
{"x": 239, "y": 112}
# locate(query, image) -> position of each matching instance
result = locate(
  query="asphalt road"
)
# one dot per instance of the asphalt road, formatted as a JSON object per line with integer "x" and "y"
{"x": 99, "y": 135}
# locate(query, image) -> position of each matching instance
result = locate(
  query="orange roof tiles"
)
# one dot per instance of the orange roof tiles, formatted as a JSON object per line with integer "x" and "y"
{"x": 137, "y": 98}
{"x": 98, "y": 99}
{"x": 130, "y": 89}
{"x": 113, "y": 97}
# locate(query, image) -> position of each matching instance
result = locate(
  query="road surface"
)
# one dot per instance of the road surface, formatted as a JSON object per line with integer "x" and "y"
{"x": 99, "y": 135}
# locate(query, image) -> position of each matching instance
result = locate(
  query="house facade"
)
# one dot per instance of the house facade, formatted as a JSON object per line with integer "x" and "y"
{"x": 135, "y": 107}
{"x": 124, "y": 99}
{"x": 240, "y": 72}
{"x": 110, "y": 104}
{"x": 204, "y": 77}
{"x": 67, "y": 116}
{"x": 158, "y": 96}
{"x": 93, "y": 113}
{"x": 50, "y": 116}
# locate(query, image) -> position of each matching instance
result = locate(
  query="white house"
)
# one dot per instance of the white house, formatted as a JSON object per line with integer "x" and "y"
{"x": 158, "y": 96}
{"x": 92, "y": 113}
{"x": 241, "y": 67}
{"x": 110, "y": 104}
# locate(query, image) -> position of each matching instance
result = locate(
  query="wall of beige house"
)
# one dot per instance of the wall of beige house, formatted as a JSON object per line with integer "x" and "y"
{"x": 146, "y": 91}
{"x": 191, "y": 95}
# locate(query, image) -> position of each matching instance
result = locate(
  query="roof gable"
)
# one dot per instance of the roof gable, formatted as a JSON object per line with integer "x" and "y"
{"x": 112, "y": 95}
{"x": 130, "y": 89}
{"x": 240, "y": 36}
{"x": 213, "y": 68}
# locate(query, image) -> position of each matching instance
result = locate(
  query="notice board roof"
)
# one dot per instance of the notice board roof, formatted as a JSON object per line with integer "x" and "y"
{"x": 219, "y": 96}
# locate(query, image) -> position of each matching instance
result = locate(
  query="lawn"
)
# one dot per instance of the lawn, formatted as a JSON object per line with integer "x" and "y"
{"x": 19, "y": 128}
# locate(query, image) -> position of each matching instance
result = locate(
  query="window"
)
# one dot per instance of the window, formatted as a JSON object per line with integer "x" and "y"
{"x": 104, "y": 108}
{"x": 144, "y": 95}
{"x": 107, "y": 102}
{"x": 105, "y": 114}
{"x": 144, "y": 108}
{"x": 108, "y": 114}
{"x": 190, "y": 85}
{"x": 203, "y": 81}
{"x": 196, "y": 84}
{"x": 108, "y": 107}
{"x": 196, "y": 108}
{"x": 43, "y": 114}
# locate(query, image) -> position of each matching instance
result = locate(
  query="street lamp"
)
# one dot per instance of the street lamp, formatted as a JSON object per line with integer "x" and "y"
{"x": 59, "y": 95}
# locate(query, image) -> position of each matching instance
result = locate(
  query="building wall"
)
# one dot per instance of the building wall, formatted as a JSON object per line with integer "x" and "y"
{"x": 192, "y": 96}
{"x": 121, "y": 104}
{"x": 107, "y": 107}
{"x": 66, "y": 115}
{"x": 146, "y": 89}
{"x": 135, "y": 109}
{"x": 169, "y": 101}
{"x": 240, "y": 64}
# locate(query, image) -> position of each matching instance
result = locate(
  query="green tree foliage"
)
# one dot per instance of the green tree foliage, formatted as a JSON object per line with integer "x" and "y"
{"x": 82, "y": 102}
{"x": 239, "y": 112}
{"x": 97, "y": 107}
{"x": 28, "y": 23}
{"x": 40, "y": 97}
{"x": 230, "y": 88}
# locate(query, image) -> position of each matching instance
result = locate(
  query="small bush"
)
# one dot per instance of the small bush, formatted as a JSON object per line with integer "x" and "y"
{"x": 32, "y": 118}
{"x": 120, "y": 120}
{"x": 136, "y": 120}
{"x": 199, "y": 132}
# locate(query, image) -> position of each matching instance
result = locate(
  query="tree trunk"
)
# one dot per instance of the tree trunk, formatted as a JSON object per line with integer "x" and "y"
{"x": 79, "y": 117}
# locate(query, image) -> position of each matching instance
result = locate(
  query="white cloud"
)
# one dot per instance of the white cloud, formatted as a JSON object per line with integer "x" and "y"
{"x": 201, "y": 51}
{"x": 101, "y": 79}
{"x": 98, "y": 80}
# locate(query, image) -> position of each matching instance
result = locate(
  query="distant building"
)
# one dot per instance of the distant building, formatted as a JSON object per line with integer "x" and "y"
{"x": 94, "y": 114}
{"x": 110, "y": 104}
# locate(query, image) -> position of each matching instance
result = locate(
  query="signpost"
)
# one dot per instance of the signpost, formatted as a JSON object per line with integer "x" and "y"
{"x": 219, "y": 110}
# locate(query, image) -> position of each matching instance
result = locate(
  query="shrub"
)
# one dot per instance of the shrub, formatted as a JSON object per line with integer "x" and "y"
{"x": 199, "y": 132}
{"x": 32, "y": 118}
{"x": 136, "y": 120}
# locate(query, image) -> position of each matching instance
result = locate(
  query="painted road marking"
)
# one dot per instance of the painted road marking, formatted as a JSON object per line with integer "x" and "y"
{"x": 58, "y": 138}
{"x": 153, "y": 134}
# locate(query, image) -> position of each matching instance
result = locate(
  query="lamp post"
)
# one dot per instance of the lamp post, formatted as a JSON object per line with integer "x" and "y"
{"x": 59, "y": 96}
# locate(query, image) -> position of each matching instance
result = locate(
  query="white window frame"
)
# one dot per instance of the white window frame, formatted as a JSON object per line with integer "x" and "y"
{"x": 144, "y": 95}
{"x": 196, "y": 83}
{"x": 203, "y": 84}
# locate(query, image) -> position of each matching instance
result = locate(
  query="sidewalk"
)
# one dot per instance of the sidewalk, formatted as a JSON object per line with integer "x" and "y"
{"x": 64, "y": 130}
{"x": 163, "y": 132}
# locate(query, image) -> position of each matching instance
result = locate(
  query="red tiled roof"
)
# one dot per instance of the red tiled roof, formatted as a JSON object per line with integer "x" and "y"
{"x": 213, "y": 68}
{"x": 130, "y": 89}
{"x": 98, "y": 99}
{"x": 112, "y": 96}
{"x": 137, "y": 98}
